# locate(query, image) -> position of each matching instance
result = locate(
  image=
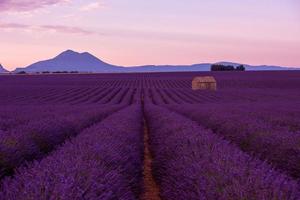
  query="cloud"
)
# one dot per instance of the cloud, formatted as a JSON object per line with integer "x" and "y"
{"x": 66, "y": 29}
{"x": 13, "y": 26}
{"x": 55, "y": 28}
{"x": 91, "y": 6}
{"x": 26, "y": 5}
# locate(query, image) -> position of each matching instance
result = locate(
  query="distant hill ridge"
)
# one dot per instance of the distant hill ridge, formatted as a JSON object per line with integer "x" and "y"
{"x": 70, "y": 61}
{"x": 85, "y": 62}
{"x": 2, "y": 69}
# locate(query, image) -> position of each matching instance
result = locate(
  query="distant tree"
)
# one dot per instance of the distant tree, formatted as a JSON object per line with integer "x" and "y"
{"x": 213, "y": 68}
{"x": 45, "y": 72}
{"x": 240, "y": 68}
{"x": 229, "y": 68}
{"x": 219, "y": 67}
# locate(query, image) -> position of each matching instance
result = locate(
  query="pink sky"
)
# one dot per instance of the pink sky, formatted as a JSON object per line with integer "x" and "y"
{"x": 138, "y": 32}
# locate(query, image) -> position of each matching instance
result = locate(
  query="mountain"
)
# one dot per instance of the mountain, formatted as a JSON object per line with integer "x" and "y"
{"x": 70, "y": 61}
{"x": 85, "y": 62}
{"x": 2, "y": 70}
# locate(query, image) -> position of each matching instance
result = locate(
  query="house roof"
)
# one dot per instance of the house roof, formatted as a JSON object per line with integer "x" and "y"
{"x": 205, "y": 79}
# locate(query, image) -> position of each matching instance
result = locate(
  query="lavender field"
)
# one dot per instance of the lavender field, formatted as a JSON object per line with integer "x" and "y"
{"x": 150, "y": 136}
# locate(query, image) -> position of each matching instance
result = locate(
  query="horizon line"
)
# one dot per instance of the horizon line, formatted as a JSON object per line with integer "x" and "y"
{"x": 129, "y": 66}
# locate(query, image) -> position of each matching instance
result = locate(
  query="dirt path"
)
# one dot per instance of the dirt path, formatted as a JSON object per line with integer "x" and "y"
{"x": 151, "y": 188}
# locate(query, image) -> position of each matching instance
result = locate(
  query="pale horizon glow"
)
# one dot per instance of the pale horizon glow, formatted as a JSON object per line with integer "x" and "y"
{"x": 131, "y": 33}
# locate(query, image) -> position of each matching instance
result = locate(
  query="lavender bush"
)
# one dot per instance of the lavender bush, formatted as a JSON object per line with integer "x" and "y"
{"x": 276, "y": 145}
{"x": 103, "y": 162}
{"x": 36, "y": 138}
{"x": 191, "y": 162}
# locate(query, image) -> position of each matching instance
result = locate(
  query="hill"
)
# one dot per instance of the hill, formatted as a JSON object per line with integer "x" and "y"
{"x": 70, "y": 61}
{"x": 2, "y": 69}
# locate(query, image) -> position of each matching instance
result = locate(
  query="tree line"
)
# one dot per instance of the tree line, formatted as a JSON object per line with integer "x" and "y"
{"x": 220, "y": 67}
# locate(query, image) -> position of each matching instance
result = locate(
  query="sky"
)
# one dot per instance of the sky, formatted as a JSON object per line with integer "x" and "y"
{"x": 135, "y": 32}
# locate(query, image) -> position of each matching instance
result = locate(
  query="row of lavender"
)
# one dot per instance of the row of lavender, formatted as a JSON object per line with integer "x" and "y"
{"x": 191, "y": 162}
{"x": 105, "y": 161}
{"x": 41, "y": 130}
{"x": 74, "y": 96}
{"x": 172, "y": 88}
{"x": 280, "y": 115}
{"x": 102, "y": 162}
{"x": 280, "y": 79}
{"x": 111, "y": 95}
{"x": 274, "y": 115}
{"x": 13, "y": 116}
{"x": 255, "y": 132}
{"x": 100, "y": 95}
